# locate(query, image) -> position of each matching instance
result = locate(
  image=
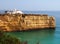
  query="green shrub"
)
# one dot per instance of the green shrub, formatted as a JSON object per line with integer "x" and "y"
{"x": 8, "y": 39}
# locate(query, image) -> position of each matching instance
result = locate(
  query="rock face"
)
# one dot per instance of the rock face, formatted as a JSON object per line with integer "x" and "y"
{"x": 19, "y": 22}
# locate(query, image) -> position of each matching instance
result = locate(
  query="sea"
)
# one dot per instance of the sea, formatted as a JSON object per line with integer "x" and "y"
{"x": 46, "y": 36}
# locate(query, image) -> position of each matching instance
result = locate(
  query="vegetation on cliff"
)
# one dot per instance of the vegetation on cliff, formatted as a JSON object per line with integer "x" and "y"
{"x": 8, "y": 39}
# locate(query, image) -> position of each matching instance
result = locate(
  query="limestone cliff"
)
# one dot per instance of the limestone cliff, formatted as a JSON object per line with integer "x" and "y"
{"x": 18, "y": 22}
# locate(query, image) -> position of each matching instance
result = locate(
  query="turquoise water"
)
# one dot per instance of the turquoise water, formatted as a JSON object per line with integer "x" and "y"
{"x": 41, "y": 36}
{"x": 33, "y": 37}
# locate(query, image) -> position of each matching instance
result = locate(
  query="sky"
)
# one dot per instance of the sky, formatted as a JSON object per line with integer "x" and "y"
{"x": 30, "y": 5}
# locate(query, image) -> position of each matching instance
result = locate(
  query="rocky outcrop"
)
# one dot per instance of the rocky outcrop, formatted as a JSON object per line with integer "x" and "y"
{"x": 18, "y": 22}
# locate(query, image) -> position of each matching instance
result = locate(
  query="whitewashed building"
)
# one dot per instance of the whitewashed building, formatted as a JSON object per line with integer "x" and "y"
{"x": 14, "y": 11}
